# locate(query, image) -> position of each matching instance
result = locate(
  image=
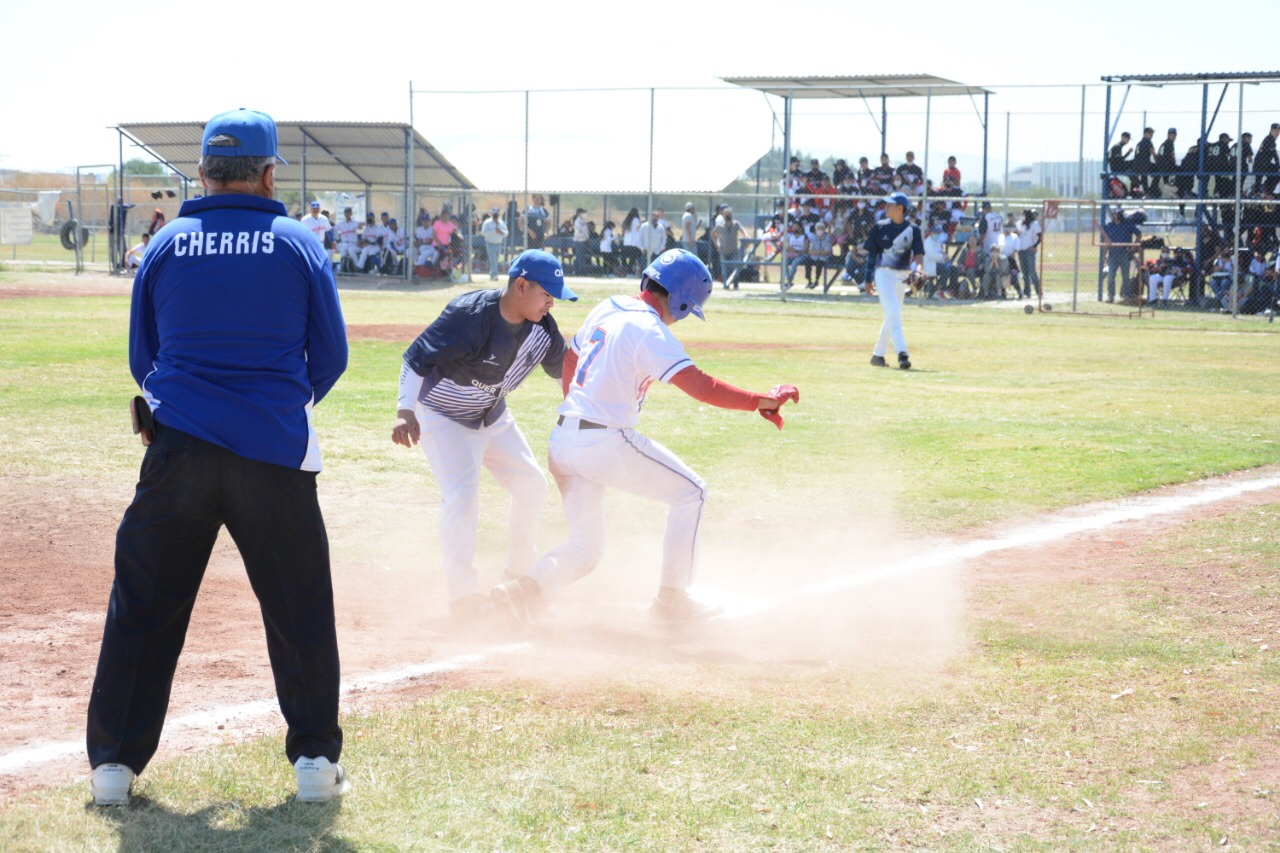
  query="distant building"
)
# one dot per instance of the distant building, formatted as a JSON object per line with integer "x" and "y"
{"x": 1062, "y": 179}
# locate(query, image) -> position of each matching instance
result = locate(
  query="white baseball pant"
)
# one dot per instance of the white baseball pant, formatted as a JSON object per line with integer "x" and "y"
{"x": 584, "y": 463}
{"x": 372, "y": 250}
{"x": 348, "y": 250}
{"x": 1155, "y": 281}
{"x": 891, "y": 287}
{"x": 456, "y": 454}
{"x": 427, "y": 254}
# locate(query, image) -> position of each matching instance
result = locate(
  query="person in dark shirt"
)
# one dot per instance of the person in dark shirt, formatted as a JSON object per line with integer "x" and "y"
{"x": 841, "y": 174}
{"x": 910, "y": 170}
{"x": 1266, "y": 164}
{"x": 1166, "y": 160}
{"x": 1144, "y": 158}
{"x": 1122, "y": 229}
{"x": 1219, "y": 162}
{"x": 864, "y": 170}
{"x": 895, "y": 249}
{"x": 884, "y": 172}
{"x": 1117, "y": 157}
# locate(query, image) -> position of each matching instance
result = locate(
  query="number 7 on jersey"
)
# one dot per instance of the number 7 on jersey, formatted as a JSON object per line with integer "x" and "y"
{"x": 595, "y": 343}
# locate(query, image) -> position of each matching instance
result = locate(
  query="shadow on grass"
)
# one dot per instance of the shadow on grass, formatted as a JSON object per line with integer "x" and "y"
{"x": 146, "y": 824}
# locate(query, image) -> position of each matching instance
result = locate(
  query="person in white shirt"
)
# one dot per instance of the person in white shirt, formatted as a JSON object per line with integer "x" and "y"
{"x": 1028, "y": 240}
{"x": 494, "y": 231}
{"x": 316, "y": 222}
{"x": 348, "y": 233}
{"x": 133, "y": 258}
{"x": 393, "y": 247}
{"x": 993, "y": 225}
{"x": 653, "y": 236}
{"x": 1009, "y": 243}
{"x": 689, "y": 229}
{"x": 936, "y": 266}
{"x": 370, "y": 243}
{"x": 607, "y": 251}
{"x": 581, "y": 251}
{"x": 632, "y": 245}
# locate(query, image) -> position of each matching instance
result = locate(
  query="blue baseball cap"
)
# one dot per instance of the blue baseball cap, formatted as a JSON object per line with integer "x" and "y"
{"x": 241, "y": 133}
{"x": 896, "y": 198}
{"x": 543, "y": 268}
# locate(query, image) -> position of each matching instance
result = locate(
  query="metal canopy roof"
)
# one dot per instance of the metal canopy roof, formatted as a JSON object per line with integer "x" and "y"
{"x": 339, "y": 155}
{"x": 862, "y": 86}
{"x": 1208, "y": 77}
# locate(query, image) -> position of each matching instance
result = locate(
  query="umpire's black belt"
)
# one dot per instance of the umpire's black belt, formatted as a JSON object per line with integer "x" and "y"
{"x": 581, "y": 423}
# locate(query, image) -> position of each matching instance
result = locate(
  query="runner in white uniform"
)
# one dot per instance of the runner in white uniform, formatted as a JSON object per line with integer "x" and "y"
{"x": 622, "y": 348}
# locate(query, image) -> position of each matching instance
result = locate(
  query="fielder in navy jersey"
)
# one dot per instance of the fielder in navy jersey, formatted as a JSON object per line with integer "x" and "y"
{"x": 896, "y": 250}
{"x": 453, "y": 387}
{"x": 235, "y": 334}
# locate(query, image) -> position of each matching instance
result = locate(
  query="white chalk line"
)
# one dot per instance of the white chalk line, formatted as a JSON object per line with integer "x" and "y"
{"x": 1054, "y": 528}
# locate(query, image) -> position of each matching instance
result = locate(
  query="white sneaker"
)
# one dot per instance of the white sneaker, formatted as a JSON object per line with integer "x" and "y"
{"x": 110, "y": 784}
{"x": 319, "y": 780}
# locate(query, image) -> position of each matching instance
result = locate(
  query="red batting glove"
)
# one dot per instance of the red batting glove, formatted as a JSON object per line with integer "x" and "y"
{"x": 781, "y": 393}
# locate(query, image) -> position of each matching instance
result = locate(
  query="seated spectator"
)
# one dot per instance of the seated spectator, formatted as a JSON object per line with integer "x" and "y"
{"x": 841, "y": 173}
{"x": 937, "y": 267}
{"x": 815, "y": 174}
{"x": 864, "y": 173}
{"x": 795, "y": 248}
{"x": 910, "y": 171}
{"x": 370, "y": 245}
{"x": 133, "y": 257}
{"x": 393, "y": 246}
{"x": 883, "y": 173}
{"x": 969, "y": 267}
{"x": 1161, "y": 274}
{"x": 995, "y": 275}
{"x": 348, "y": 231}
{"x": 1221, "y": 279}
{"x": 443, "y": 230}
{"x": 951, "y": 173}
{"x": 817, "y": 256}
{"x": 423, "y": 238}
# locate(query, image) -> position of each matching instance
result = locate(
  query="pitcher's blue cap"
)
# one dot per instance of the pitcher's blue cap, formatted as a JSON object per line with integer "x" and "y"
{"x": 897, "y": 198}
{"x": 542, "y": 267}
{"x": 241, "y": 133}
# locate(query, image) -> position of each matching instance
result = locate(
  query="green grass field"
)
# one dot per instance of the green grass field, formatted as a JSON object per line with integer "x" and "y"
{"x": 1128, "y": 707}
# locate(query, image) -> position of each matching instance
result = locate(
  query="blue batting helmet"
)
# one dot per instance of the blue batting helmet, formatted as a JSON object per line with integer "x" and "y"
{"x": 685, "y": 278}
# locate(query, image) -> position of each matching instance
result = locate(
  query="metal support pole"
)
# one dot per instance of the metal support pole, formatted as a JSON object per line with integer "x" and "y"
{"x": 526, "y": 151}
{"x": 884, "y": 126}
{"x": 305, "y": 207}
{"x": 1200, "y": 187}
{"x": 411, "y": 197}
{"x": 649, "y": 212}
{"x": 924, "y": 204}
{"x": 986, "y": 103}
{"x": 1075, "y": 267}
{"x": 1103, "y": 210}
{"x": 408, "y": 227}
{"x": 1237, "y": 231}
{"x": 1008, "y": 120}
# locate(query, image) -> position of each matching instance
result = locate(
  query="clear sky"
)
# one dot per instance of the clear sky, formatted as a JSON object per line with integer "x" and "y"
{"x": 75, "y": 68}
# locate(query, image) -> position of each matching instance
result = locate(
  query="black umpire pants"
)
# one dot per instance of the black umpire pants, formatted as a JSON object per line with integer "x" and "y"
{"x": 188, "y": 489}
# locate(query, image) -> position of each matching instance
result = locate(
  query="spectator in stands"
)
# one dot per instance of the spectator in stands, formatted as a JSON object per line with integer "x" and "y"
{"x": 632, "y": 247}
{"x": 133, "y": 257}
{"x": 815, "y": 173}
{"x": 951, "y": 173}
{"x": 317, "y": 223}
{"x": 1160, "y": 276}
{"x": 970, "y": 266}
{"x": 1009, "y": 242}
{"x": 422, "y": 239}
{"x": 535, "y": 221}
{"x": 884, "y": 172}
{"x": 581, "y": 243}
{"x": 1217, "y": 159}
{"x": 494, "y": 232}
{"x": 817, "y": 256}
{"x": 1221, "y": 278}
{"x": 1166, "y": 162}
{"x": 936, "y": 265}
{"x": 653, "y": 236}
{"x": 864, "y": 172}
{"x": 609, "y": 253}
{"x": 910, "y": 171}
{"x": 348, "y": 231}
{"x": 841, "y": 173}
{"x": 1267, "y": 289}
{"x": 689, "y": 228}
{"x": 1118, "y": 156}
{"x": 1029, "y": 233}
{"x": 727, "y": 238}
{"x": 1122, "y": 229}
{"x": 1266, "y": 163}
{"x": 1246, "y": 158}
{"x": 1144, "y": 158}
{"x": 995, "y": 274}
{"x": 442, "y": 232}
{"x": 795, "y": 246}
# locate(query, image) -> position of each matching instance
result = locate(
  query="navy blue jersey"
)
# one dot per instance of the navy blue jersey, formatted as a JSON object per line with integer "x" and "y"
{"x": 893, "y": 245}
{"x": 470, "y": 358}
{"x": 235, "y": 330}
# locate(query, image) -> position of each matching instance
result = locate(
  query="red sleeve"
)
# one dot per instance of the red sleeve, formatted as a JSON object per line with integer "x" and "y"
{"x": 708, "y": 389}
{"x": 570, "y": 368}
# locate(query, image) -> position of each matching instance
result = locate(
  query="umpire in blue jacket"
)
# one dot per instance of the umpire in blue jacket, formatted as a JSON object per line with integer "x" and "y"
{"x": 235, "y": 334}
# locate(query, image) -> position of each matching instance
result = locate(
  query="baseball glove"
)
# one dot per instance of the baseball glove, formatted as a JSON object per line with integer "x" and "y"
{"x": 781, "y": 393}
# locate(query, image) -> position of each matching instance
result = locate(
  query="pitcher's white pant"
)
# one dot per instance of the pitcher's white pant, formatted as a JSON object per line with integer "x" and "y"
{"x": 891, "y": 287}
{"x": 456, "y": 454}
{"x": 1157, "y": 279}
{"x": 586, "y": 461}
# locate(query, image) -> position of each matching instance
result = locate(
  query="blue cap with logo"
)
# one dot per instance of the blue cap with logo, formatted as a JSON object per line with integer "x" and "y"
{"x": 543, "y": 268}
{"x": 897, "y": 198}
{"x": 241, "y": 133}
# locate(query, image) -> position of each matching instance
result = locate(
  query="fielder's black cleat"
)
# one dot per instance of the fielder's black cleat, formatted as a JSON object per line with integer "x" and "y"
{"x": 878, "y": 361}
{"x": 904, "y": 362}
